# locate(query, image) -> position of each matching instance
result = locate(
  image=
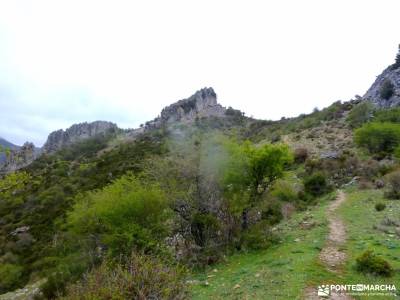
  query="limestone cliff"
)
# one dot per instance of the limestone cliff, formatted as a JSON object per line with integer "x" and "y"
{"x": 77, "y": 132}
{"x": 19, "y": 158}
{"x": 385, "y": 91}
{"x": 202, "y": 104}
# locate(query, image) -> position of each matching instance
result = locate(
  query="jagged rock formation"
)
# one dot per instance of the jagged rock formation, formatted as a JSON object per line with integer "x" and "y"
{"x": 19, "y": 158}
{"x": 200, "y": 105}
{"x": 385, "y": 91}
{"x": 77, "y": 132}
{"x": 4, "y": 144}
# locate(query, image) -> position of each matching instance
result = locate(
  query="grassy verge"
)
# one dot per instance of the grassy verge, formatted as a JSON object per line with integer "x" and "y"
{"x": 286, "y": 269}
{"x": 360, "y": 217}
{"x": 280, "y": 272}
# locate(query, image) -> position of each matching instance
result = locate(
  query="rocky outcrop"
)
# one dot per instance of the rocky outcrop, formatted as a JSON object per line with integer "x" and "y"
{"x": 77, "y": 132}
{"x": 19, "y": 158}
{"x": 5, "y": 145}
{"x": 202, "y": 104}
{"x": 385, "y": 91}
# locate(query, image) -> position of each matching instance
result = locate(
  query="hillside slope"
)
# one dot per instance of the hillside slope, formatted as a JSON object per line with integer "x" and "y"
{"x": 105, "y": 212}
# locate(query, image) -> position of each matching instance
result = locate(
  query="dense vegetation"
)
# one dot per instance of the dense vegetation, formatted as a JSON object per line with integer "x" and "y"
{"x": 131, "y": 218}
{"x": 34, "y": 202}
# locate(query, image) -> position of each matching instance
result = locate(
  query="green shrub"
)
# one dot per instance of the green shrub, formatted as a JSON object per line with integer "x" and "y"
{"x": 203, "y": 227}
{"x": 255, "y": 168}
{"x": 139, "y": 277}
{"x": 128, "y": 213}
{"x": 388, "y": 115}
{"x": 249, "y": 171}
{"x": 10, "y": 276}
{"x": 396, "y": 64}
{"x": 257, "y": 237}
{"x": 272, "y": 212}
{"x": 284, "y": 191}
{"x": 360, "y": 114}
{"x": 380, "y": 206}
{"x": 316, "y": 184}
{"x": 378, "y": 138}
{"x": 393, "y": 182}
{"x": 300, "y": 155}
{"x": 387, "y": 89}
{"x": 369, "y": 262}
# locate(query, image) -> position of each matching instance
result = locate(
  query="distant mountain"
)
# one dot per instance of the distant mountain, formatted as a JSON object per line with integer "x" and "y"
{"x": 6, "y": 144}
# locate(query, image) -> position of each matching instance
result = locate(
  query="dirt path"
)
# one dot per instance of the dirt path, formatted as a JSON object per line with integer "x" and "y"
{"x": 332, "y": 256}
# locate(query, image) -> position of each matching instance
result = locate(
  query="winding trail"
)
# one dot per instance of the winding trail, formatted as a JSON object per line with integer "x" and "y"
{"x": 332, "y": 256}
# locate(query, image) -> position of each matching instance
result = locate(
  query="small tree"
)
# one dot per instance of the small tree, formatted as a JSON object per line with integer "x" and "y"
{"x": 393, "y": 181}
{"x": 360, "y": 114}
{"x": 250, "y": 170}
{"x": 387, "y": 89}
{"x": 397, "y": 61}
{"x": 378, "y": 138}
{"x": 316, "y": 184}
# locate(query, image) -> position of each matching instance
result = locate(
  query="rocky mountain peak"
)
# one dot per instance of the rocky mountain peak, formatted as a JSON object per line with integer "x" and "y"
{"x": 203, "y": 103}
{"x": 18, "y": 158}
{"x": 385, "y": 91}
{"x": 77, "y": 132}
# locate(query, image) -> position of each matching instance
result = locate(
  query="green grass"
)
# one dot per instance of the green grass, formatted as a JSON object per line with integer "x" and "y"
{"x": 360, "y": 216}
{"x": 281, "y": 272}
{"x": 286, "y": 269}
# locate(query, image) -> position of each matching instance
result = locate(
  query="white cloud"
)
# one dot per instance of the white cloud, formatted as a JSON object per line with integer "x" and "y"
{"x": 72, "y": 61}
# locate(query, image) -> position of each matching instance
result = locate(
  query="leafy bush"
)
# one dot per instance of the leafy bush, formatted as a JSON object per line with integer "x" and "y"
{"x": 393, "y": 181}
{"x": 139, "y": 277}
{"x": 364, "y": 184}
{"x": 396, "y": 64}
{"x": 255, "y": 168}
{"x": 9, "y": 276}
{"x": 380, "y": 206}
{"x": 248, "y": 172}
{"x": 127, "y": 214}
{"x": 272, "y": 212}
{"x": 360, "y": 114}
{"x": 369, "y": 262}
{"x": 388, "y": 115}
{"x": 203, "y": 226}
{"x": 316, "y": 184}
{"x": 387, "y": 89}
{"x": 300, "y": 155}
{"x": 258, "y": 237}
{"x": 378, "y": 138}
{"x": 284, "y": 191}
{"x": 235, "y": 114}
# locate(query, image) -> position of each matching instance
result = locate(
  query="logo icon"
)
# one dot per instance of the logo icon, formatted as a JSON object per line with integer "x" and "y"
{"x": 323, "y": 290}
{"x": 359, "y": 287}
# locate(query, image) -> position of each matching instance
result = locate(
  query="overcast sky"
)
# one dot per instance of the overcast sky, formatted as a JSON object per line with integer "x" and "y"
{"x": 64, "y": 62}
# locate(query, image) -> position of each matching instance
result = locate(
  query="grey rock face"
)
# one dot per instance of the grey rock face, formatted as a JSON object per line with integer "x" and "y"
{"x": 202, "y": 104}
{"x": 19, "y": 158}
{"x": 77, "y": 132}
{"x": 392, "y": 75}
{"x": 7, "y": 145}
